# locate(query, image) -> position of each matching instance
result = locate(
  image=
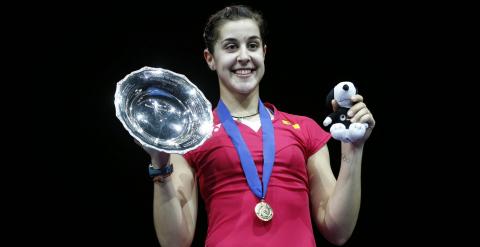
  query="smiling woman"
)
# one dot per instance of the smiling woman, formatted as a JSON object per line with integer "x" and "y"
{"x": 238, "y": 58}
{"x": 264, "y": 173}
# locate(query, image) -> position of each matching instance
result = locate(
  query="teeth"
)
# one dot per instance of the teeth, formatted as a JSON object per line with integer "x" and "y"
{"x": 243, "y": 71}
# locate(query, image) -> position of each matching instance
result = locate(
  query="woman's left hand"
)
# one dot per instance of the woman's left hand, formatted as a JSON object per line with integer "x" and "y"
{"x": 359, "y": 113}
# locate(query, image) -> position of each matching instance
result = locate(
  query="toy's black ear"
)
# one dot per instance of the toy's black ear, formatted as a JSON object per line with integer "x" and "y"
{"x": 328, "y": 100}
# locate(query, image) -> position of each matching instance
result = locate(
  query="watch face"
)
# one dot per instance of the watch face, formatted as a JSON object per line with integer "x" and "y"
{"x": 163, "y": 110}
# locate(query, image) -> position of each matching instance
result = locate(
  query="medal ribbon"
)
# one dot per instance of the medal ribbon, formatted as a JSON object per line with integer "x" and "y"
{"x": 246, "y": 159}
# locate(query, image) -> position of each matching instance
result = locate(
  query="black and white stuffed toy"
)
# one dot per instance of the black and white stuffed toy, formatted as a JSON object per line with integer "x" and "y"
{"x": 341, "y": 128}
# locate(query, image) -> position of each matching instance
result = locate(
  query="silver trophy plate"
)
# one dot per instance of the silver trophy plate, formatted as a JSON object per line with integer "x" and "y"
{"x": 163, "y": 110}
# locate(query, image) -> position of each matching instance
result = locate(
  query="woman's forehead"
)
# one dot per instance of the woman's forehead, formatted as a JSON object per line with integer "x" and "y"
{"x": 239, "y": 29}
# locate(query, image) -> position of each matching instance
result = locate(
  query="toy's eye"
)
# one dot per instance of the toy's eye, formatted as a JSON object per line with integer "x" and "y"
{"x": 343, "y": 117}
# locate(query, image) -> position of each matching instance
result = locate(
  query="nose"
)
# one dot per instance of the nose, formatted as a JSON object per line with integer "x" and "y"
{"x": 243, "y": 55}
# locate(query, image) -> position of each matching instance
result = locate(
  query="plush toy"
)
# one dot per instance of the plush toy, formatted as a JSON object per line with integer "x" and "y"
{"x": 341, "y": 128}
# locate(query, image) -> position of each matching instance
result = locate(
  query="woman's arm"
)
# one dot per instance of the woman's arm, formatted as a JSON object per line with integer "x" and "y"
{"x": 175, "y": 205}
{"x": 336, "y": 202}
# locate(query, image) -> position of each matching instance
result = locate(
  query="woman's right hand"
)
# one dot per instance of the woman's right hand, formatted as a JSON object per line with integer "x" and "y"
{"x": 159, "y": 159}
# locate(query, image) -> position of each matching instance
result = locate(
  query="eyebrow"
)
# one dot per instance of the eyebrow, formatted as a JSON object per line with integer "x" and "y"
{"x": 234, "y": 40}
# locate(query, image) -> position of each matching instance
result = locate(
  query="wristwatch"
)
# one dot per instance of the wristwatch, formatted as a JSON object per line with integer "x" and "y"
{"x": 164, "y": 171}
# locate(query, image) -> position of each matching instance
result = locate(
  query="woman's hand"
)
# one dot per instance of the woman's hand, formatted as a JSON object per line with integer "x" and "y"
{"x": 359, "y": 113}
{"x": 159, "y": 159}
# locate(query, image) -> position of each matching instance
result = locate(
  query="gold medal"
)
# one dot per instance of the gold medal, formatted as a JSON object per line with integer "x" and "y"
{"x": 263, "y": 211}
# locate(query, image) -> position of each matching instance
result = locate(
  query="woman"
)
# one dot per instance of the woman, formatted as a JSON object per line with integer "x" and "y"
{"x": 262, "y": 169}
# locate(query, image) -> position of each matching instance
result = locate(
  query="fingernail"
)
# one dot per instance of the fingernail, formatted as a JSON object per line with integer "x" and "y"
{"x": 350, "y": 113}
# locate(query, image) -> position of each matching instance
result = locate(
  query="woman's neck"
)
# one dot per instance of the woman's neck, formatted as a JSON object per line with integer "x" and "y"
{"x": 241, "y": 105}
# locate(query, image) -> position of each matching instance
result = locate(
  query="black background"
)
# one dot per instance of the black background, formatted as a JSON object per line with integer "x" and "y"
{"x": 89, "y": 181}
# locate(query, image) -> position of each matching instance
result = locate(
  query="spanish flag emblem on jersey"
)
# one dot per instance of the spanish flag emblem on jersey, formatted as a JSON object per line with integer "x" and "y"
{"x": 295, "y": 126}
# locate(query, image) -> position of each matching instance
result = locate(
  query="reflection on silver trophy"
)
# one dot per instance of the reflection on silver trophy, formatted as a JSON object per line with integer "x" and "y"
{"x": 163, "y": 110}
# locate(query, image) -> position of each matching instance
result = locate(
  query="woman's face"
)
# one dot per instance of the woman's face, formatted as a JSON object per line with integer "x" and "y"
{"x": 239, "y": 56}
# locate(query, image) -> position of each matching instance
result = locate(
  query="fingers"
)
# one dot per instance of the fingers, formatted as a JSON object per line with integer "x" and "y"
{"x": 157, "y": 157}
{"x": 360, "y": 113}
{"x": 358, "y": 108}
{"x": 364, "y": 116}
{"x": 357, "y": 98}
{"x": 369, "y": 120}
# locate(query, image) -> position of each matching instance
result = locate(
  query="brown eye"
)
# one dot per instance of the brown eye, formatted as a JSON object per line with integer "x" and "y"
{"x": 230, "y": 47}
{"x": 253, "y": 46}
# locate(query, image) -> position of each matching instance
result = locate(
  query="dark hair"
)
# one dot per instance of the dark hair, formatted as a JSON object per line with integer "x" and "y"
{"x": 230, "y": 13}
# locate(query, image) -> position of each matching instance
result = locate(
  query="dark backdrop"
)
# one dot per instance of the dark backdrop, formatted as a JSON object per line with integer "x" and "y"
{"x": 92, "y": 185}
